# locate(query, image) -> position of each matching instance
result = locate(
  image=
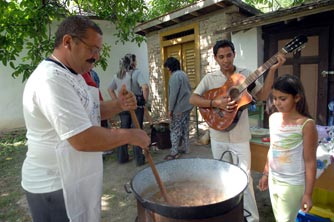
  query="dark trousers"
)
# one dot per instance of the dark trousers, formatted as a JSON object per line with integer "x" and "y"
{"x": 122, "y": 151}
{"x": 47, "y": 207}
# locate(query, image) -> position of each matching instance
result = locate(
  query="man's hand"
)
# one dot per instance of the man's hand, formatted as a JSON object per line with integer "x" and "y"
{"x": 127, "y": 100}
{"x": 225, "y": 103}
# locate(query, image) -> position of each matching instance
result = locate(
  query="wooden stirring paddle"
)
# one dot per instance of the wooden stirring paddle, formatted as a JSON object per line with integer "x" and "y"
{"x": 151, "y": 163}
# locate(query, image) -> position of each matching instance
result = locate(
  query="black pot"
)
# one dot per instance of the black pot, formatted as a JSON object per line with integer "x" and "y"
{"x": 231, "y": 179}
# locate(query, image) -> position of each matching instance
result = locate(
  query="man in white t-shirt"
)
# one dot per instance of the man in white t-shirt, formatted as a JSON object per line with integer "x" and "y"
{"x": 62, "y": 172}
{"x": 236, "y": 139}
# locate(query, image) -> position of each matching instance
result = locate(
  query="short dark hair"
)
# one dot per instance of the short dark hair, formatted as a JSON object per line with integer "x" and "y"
{"x": 222, "y": 44}
{"x": 76, "y": 25}
{"x": 172, "y": 64}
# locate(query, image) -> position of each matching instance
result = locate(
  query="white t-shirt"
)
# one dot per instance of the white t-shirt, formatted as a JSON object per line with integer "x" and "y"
{"x": 240, "y": 133}
{"x": 133, "y": 80}
{"x": 56, "y": 105}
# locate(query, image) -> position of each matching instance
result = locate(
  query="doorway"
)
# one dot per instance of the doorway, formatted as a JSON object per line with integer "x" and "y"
{"x": 182, "y": 43}
{"x": 307, "y": 64}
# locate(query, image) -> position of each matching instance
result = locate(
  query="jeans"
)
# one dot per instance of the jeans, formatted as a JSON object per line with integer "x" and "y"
{"x": 122, "y": 151}
{"x": 47, "y": 207}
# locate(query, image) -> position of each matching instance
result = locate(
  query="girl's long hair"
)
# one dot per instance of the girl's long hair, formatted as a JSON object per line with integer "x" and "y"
{"x": 290, "y": 84}
{"x": 126, "y": 64}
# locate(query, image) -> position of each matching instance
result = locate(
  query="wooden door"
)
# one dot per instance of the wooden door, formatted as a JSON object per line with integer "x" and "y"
{"x": 185, "y": 53}
{"x": 307, "y": 64}
{"x": 171, "y": 51}
{"x": 188, "y": 62}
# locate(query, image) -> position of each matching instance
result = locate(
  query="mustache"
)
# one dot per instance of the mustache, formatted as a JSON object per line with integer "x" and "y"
{"x": 92, "y": 60}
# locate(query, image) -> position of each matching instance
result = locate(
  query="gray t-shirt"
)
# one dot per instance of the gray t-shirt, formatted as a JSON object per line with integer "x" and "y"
{"x": 179, "y": 92}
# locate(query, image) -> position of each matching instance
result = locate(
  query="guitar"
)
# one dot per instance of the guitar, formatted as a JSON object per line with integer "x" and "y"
{"x": 236, "y": 88}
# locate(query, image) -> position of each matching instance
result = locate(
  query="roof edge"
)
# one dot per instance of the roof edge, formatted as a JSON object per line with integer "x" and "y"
{"x": 158, "y": 22}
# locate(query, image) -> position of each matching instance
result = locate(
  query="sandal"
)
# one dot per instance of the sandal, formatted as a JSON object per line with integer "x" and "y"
{"x": 172, "y": 157}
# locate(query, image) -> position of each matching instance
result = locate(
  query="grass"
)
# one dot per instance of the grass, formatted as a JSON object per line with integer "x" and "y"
{"x": 13, "y": 206}
{"x": 12, "y": 153}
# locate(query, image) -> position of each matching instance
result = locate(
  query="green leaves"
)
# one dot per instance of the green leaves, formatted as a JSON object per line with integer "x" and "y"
{"x": 24, "y": 31}
{"x": 272, "y": 5}
{"x": 25, "y": 24}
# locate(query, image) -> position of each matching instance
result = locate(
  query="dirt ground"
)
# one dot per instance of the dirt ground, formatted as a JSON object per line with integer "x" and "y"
{"x": 120, "y": 206}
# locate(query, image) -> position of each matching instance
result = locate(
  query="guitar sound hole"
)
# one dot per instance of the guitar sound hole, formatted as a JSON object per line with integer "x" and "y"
{"x": 234, "y": 94}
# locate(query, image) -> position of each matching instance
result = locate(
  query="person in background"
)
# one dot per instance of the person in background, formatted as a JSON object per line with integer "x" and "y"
{"x": 135, "y": 82}
{"x": 92, "y": 79}
{"x": 63, "y": 170}
{"x": 95, "y": 77}
{"x": 290, "y": 171}
{"x": 179, "y": 108}
{"x": 237, "y": 139}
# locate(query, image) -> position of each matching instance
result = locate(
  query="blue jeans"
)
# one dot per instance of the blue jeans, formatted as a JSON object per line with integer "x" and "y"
{"x": 122, "y": 151}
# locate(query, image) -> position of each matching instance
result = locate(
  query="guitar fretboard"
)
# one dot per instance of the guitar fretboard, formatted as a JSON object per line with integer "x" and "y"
{"x": 258, "y": 72}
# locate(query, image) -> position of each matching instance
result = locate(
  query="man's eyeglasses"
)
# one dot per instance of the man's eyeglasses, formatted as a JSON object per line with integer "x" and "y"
{"x": 93, "y": 49}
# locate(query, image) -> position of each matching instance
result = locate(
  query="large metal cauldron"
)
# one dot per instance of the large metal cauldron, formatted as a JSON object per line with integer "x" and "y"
{"x": 230, "y": 179}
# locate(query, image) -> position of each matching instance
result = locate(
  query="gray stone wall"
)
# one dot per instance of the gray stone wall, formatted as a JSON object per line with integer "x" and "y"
{"x": 211, "y": 29}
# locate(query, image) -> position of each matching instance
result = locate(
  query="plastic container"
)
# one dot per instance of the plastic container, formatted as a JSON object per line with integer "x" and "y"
{"x": 323, "y": 203}
{"x": 305, "y": 217}
{"x": 160, "y": 133}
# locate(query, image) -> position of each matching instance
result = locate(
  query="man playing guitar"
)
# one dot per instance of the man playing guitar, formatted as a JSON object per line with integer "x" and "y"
{"x": 236, "y": 139}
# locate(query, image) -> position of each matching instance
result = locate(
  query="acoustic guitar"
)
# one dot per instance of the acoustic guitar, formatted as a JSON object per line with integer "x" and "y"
{"x": 236, "y": 88}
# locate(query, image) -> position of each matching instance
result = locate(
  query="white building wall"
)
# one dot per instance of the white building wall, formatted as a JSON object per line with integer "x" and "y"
{"x": 249, "y": 48}
{"x": 11, "y": 90}
{"x": 117, "y": 52}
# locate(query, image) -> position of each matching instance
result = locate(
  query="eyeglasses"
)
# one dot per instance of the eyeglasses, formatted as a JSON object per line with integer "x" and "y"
{"x": 93, "y": 49}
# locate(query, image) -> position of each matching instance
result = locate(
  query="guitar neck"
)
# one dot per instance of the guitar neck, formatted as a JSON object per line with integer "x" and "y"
{"x": 259, "y": 72}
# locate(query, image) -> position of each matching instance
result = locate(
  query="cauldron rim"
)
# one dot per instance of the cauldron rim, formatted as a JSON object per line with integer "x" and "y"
{"x": 187, "y": 212}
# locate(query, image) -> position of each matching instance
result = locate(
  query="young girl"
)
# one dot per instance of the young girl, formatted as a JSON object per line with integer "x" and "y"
{"x": 290, "y": 170}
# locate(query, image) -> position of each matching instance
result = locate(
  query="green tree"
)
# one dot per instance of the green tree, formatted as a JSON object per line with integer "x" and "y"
{"x": 25, "y": 24}
{"x": 272, "y": 5}
{"x": 160, "y": 7}
{"x": 25, "y": 27}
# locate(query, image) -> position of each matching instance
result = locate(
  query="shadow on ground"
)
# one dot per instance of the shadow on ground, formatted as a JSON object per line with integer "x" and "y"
{"x": 120, "y": 206}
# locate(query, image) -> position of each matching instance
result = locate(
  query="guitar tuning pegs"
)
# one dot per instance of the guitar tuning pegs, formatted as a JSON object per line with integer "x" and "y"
{"x": 299, "y": 49}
